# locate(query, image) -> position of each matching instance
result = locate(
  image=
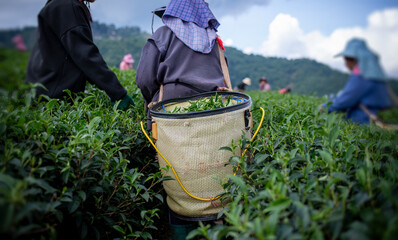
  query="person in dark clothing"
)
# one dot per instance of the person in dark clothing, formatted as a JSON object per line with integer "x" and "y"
{"x": 181, "y": 59}
{"x": 65, "y": 56}
{"x": 242, "y": 86}
{"x": 183, "y": 65}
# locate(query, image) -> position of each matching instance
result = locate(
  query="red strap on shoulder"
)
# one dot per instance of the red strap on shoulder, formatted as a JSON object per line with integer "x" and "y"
{"x": 220, "y": 43}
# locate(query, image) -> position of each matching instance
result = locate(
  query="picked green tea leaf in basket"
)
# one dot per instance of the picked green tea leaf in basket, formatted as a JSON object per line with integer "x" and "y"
{"x": 204, "y": 104}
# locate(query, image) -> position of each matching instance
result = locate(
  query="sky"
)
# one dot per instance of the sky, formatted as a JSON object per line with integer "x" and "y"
{"x": 315, "y": 29}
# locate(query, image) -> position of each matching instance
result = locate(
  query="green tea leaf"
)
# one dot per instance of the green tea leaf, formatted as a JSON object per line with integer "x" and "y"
{"x": 278, "y": 205}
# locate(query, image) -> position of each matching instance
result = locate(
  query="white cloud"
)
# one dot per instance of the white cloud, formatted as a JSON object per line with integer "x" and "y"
{"x": 286, "y": 39}
{"x": 248, "y": 50}
{"x": 228, "y": 42}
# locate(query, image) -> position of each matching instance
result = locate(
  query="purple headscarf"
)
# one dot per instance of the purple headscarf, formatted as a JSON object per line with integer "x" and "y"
{"x": 193, "y": 23}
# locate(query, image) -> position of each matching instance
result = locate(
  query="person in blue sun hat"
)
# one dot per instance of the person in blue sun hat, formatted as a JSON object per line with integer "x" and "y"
{"x": 366, "y": 89}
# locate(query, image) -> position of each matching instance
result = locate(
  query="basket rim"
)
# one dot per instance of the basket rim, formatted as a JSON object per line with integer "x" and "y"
{"x": 205, "y": 113}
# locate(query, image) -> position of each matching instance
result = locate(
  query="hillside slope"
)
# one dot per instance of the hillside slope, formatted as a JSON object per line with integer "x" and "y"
{"x": 308, "y": 76}
{"x": 79, "y": 168}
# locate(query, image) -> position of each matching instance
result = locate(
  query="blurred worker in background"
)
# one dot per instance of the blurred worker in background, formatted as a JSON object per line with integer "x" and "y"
{"x": 365, "y": 92}
{"x": 286, "y": 89}
{"x": 19, "y": 43}
{"x": 127, "y": 62}
{"x": 65, "y": 56}
{"x": 264, "y": 85}
{"x": 242, "y": 86}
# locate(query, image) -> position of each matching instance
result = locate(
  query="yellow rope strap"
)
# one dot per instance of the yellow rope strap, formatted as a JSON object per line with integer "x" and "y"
{"x": 175, "y": 173}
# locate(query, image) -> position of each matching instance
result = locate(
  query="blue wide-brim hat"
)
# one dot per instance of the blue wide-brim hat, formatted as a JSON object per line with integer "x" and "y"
{"x": 368, "y": 61}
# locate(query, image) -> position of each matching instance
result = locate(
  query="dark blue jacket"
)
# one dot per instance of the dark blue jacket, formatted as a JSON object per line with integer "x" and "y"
{"x": 358, "y": 90}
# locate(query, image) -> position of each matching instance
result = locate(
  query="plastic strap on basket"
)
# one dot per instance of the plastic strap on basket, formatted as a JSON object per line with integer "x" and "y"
{"x": 175, "y": 173}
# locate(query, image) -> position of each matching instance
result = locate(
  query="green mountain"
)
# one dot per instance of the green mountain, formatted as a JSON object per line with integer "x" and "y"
{"x": 112, "y": 42}
{"x": 306, "y": 76}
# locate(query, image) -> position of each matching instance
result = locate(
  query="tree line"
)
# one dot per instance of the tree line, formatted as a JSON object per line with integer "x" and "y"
{"x": 305, "y": 75}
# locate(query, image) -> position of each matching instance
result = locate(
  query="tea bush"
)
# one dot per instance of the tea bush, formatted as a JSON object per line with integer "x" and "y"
{"x": 76, "y": 168}
{"x": 12, "y": 66}
{"x": 312, "y": 176}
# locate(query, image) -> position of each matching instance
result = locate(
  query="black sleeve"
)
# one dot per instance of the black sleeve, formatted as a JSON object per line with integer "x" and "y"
{"x": 85, "y": 54}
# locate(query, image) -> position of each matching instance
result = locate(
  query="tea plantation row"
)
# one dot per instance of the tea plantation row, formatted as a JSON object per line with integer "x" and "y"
{"x": 78, "y": 166}
{"x": 312, "y": 176}
{"x": 81, "y": 169}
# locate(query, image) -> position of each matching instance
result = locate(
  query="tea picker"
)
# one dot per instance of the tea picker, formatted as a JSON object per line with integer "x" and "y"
{"x": 242, "y": 86}
{"x": 176, "y": 63}
{"x": 366, "y": 92}
{"x": 175, "y": 71}
{"x": 65, "y": 56}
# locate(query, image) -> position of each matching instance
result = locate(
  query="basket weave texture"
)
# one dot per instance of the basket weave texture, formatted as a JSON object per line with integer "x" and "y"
{"x": 192, "y": 148}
